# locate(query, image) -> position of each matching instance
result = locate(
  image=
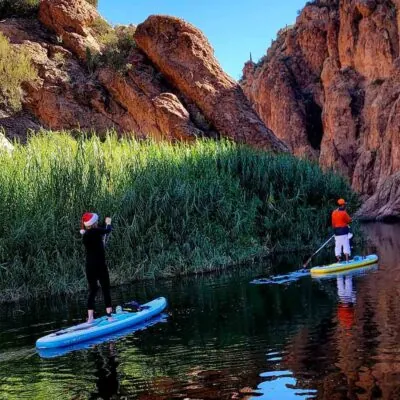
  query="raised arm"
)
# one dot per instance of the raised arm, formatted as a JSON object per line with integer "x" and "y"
{"x": 107, "y": 229}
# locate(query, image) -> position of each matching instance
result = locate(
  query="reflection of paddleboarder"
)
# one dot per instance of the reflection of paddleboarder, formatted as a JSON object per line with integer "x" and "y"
{"x": 347, "y": 299}
{"x": 107, "y": 376}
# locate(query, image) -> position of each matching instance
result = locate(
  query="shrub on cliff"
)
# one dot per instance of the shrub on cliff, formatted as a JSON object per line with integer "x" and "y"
{"x": 18, "y": 8}
{"x": 116, "y": 52}
{"x": 24, "y": 8}
{"x": 15, "y": 68}
{"x": 177, "y": 208}
{"x": 93, "y": 2}
{"x": 117, "y": 43}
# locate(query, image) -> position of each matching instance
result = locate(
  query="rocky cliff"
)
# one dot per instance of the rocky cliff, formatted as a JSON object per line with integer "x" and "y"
{"x": 95, "y": 77}
{"x": 329, "y": 87}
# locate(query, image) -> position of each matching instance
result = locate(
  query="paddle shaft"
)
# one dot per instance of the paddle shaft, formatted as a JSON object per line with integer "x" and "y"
{"x": 308, "y": 261}
{"x": 105, "y": 238}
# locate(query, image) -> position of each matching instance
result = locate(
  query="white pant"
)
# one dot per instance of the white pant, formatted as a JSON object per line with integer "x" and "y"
{"x": 342, "y": 241}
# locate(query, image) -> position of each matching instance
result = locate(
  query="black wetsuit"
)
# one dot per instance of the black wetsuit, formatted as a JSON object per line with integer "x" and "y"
{"x": 96, "y": 268}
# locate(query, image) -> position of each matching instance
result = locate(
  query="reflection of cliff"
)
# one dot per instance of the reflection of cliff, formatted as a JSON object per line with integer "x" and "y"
{"x": 213, "y": 346}
{"x": 357, "y": 356}
{"x": 199, "y": 384}
{"x": 218, "y": 333}
{"x": 385, "y": 238}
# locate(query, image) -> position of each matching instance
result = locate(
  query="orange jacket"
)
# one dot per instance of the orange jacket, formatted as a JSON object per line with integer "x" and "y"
{"x": 340, "y": 218}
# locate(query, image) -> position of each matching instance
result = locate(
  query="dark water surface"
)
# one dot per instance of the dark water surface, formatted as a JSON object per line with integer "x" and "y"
{"x": 223, "y": 338}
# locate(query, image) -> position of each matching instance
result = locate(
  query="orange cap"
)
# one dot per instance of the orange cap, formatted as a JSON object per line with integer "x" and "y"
{"x": 341, "y": 202}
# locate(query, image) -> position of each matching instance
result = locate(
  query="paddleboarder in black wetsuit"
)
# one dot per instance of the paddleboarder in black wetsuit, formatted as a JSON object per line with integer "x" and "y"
{"x": 96, "y": 268}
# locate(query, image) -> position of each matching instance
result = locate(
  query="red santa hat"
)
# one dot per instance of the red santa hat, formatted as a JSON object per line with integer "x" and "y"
{"x": 88, "y": 219}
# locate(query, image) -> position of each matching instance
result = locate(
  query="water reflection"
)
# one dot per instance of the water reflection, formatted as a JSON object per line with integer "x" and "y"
{"x": 324, "y": 360}
{"x": 91, "y": 343}
{"x": 347, "y": 299}
{"x": 335, "y": 338}
{"x": 282, "y": 385}
{"x": 106, "y": 365}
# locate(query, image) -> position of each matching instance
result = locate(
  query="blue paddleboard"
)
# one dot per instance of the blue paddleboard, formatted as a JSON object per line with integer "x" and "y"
{"x": 102, "y": 326}
{"x": 87, "y": 344}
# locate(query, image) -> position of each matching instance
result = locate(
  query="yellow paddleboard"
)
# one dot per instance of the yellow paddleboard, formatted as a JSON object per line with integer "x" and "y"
{"x": 356, "y": 262}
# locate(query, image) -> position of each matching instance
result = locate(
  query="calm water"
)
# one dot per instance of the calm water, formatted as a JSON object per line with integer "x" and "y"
{"x": 226, "y": 339}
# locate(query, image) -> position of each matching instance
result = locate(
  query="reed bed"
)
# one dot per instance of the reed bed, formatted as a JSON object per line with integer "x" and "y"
{"x": 176, "y": 208}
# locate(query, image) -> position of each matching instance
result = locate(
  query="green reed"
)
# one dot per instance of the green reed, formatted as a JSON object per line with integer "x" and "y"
{"x": 176, "y": 208}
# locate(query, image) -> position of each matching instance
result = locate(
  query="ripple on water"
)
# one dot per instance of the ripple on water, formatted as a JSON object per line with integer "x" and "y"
{"x": 224, "y": 339}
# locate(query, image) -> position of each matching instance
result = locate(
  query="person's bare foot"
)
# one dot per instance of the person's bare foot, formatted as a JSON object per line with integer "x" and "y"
{"x": 90, "y": 316}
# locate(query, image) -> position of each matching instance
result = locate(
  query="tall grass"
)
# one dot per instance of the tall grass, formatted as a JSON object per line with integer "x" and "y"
{"x": 176, "y": 209}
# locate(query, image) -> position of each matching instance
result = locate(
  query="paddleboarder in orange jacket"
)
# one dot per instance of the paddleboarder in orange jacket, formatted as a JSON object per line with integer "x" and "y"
{"x": 340, "y": 224}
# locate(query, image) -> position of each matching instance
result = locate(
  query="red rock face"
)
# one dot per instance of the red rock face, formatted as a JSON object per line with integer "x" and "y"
{"x": 152, "y": 110}
{"x": 173, "y": 90}
{"x": 65, "y": 96}
{"x": 187, "y": 60}
{"x": 148, "y": 106}
{"x": 71, "y": 21}
{"x": 385, "y": 203}
{"x": 334, "y": 76}
{"x": 328, "y": 87}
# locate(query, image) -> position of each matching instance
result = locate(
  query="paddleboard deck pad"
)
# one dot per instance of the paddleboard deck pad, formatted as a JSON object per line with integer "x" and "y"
{"x": 356, "y": 262}
{"x": 102, "y": 326}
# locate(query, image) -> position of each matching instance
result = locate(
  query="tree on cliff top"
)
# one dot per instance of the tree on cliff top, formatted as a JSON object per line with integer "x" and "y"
{"x": 24, "y": 8}
{"x": 18, "y": 8}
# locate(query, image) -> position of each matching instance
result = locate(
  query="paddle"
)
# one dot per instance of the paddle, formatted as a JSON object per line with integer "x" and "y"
{"x": 308, "y": 261}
